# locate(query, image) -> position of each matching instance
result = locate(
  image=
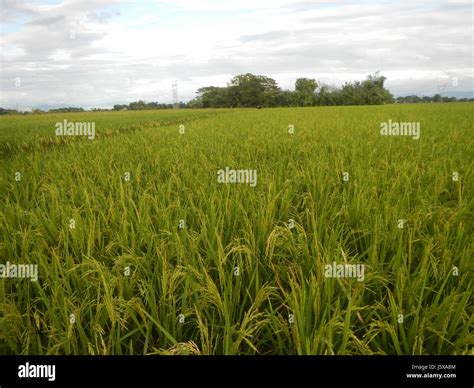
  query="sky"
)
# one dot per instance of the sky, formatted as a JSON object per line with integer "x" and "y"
{"x": 99, "y": 53}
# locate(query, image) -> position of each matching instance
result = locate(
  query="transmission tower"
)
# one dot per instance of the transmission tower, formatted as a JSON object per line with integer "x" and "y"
{"x": 175, "y": 95}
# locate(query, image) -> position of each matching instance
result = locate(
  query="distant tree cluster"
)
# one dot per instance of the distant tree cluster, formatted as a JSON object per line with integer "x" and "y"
{"x": 64, "y": 110}
{"x": 9, "y": 112}
{"x": 39, "y": 111}
{"x": 436, "y": 98}
{"x": 142, "y": 105}
{"x": 249, "y": 90}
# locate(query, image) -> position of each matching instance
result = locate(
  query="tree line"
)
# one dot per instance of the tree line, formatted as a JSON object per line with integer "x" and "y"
{"x": 249, "y": 90}
{"x": 142, "y": 105}
{"x": 436, "y": 98}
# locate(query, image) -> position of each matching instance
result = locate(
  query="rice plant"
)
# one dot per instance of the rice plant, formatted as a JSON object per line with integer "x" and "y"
{"x": 141, "y": 250}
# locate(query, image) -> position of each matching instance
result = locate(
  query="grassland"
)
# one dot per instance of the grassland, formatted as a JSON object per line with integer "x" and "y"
{"x": 134, "y": 225}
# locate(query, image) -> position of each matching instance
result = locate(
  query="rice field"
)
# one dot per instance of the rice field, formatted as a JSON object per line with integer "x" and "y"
{"x": 140, "y": 249}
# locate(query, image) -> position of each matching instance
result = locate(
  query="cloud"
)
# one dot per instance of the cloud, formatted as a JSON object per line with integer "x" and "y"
{"x": 98, "y": 53}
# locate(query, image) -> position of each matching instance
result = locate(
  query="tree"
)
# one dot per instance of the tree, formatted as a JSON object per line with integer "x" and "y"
{"x": 249, "y": 90}
{"x": 195, "y": 103}
{"x": 328, "y": 95}
{"x": 137, "y": 105}
{"x": 212, "y": 97}
{"x": 253, "y": 90}
{"x": 305, "y": 88}
{"x": 8, "y": 111}
{"x": 374, "y": 92}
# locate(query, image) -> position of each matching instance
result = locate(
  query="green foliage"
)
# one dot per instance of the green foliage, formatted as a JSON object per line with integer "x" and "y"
{"x": 65, "y": 110}
{"x": 305, "y": 89}
{"x": 248, "y": 90}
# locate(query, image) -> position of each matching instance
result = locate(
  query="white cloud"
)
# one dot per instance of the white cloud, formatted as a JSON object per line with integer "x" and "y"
{"x": 110, "y": 52}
